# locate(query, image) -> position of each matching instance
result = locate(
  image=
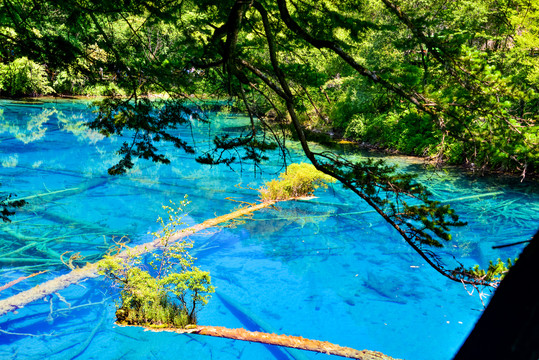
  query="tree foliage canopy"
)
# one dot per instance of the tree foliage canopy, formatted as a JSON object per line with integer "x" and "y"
{"x": 454, "y": 80}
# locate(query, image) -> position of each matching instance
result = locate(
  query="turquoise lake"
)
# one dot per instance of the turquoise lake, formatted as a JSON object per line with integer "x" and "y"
{"x": 327, "y": 269}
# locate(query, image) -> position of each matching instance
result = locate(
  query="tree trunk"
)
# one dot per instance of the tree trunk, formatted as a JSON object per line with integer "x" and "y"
{"x": 509, "y": 327}
{"x": 295, "y": 342}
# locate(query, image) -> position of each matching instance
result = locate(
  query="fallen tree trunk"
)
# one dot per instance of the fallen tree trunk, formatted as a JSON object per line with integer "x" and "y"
{"x": 90, "y": 270}
{"x": 296, "y": 342}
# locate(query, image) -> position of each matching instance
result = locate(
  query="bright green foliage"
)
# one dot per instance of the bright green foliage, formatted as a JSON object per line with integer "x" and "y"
{"x": 66, "y": 83}
{"x": 24, "y": 77}
{"x": 143, "y": 300}
{"x": 108, "y": 89}
{"x": 298, "y": 180}
{"x": 473, "y": 64}
{"x": 405, "y": 131}
{"x": 170, "y": 292}
{"x": 495, "y": 272}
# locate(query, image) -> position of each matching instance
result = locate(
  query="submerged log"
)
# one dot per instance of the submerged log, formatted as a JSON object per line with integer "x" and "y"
{"x": 296, "y": 342}
{"x": 90, "y": 270}
{"x": 23, "y": 298}
{"x": 22, "y": 278}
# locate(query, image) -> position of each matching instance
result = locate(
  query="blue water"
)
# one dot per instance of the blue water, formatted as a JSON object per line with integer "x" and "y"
{"x": 327, "y": 269}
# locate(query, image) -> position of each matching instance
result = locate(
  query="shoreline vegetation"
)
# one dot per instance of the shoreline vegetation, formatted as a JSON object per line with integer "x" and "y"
{"x": 335, "y": 139}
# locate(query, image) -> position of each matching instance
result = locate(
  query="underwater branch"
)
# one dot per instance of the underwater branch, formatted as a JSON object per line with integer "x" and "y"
{"x": 299, "y": 182}
{"x": 91, "y": 270}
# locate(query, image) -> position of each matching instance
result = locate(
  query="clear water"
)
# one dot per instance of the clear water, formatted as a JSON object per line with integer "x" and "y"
{"x": 327, "y": 269}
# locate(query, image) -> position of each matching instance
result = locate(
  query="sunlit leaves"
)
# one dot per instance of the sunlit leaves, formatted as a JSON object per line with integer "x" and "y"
{"x": 298, "y": 180}
{"x": 495, "y": 271}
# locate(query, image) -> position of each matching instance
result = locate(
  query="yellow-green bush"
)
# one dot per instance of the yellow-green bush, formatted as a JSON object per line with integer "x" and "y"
{"x": 298, "y": 180}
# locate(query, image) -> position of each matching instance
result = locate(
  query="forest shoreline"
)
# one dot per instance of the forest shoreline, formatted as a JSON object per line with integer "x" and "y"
{"x": 335, "y": 139}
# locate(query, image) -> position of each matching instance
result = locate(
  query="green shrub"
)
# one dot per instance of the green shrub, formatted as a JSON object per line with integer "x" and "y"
{"x": 108, "y": 89}
{"x": 298, "y": 180}
{"x": 3, "y": 69}
{"x": 169, "y": 290}
{"x": 24, "y": 77}
{"x": 357, "y": 127}
{"x": 405, "y": 131}
{"x": 68, "y": 83}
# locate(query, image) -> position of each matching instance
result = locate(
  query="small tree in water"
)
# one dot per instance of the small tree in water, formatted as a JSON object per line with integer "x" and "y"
{"x": 298, "y": 180}
{"x": 168, "y": 292}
